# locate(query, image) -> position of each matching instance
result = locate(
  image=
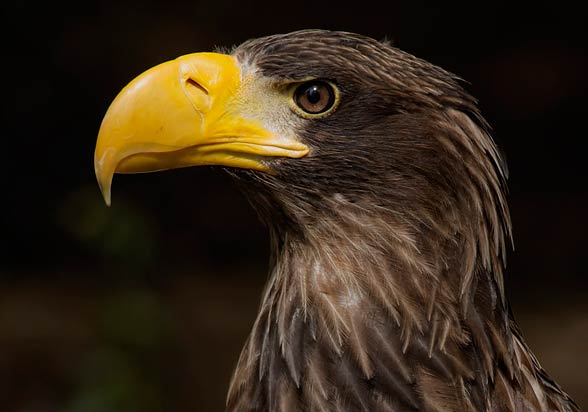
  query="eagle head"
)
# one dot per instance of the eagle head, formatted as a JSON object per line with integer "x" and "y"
{"x": 310, "y": 120}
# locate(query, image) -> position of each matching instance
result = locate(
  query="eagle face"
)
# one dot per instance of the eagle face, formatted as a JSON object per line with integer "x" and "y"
{"x": 384, "y": 195}
{"x": 376, "y": 133}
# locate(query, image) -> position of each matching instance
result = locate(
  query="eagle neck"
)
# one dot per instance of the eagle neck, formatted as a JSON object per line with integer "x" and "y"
{"x": 359, "y": 286}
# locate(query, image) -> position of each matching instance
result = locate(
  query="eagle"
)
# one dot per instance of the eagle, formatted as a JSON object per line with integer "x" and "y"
{"x": 384, "y": 196}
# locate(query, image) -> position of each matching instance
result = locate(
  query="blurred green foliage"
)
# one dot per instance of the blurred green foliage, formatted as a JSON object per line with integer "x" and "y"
{"x": 118, "y": 375}
{"x": 124, "y": 233}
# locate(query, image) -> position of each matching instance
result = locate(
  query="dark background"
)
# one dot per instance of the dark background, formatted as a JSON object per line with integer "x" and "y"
{"x": 144, "y": 306}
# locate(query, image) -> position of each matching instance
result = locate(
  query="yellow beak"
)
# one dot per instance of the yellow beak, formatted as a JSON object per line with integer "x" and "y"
{"x": 184, "y": 112}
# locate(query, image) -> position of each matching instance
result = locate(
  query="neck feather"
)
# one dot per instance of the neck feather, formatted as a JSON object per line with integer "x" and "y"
{"x": 365, "y": 295}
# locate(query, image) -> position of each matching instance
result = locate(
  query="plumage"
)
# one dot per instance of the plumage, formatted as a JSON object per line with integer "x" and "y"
{"x": 388, "y": 241}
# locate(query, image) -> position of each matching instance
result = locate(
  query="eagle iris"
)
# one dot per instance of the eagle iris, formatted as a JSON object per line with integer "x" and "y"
{"x": 315, "y": 97}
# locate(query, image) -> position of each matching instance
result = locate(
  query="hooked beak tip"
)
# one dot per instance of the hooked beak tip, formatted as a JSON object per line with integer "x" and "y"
{"x": 104, "y": 177}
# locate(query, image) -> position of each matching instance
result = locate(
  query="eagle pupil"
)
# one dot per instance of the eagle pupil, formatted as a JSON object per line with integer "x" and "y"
{"x": 313, "y": 94}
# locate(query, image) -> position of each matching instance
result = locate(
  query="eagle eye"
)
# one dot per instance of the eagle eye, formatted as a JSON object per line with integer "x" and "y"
{"x": 315, "y": 98}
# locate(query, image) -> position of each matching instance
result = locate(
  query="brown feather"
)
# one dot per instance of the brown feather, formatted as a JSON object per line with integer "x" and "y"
{"x": 386, "y": 289}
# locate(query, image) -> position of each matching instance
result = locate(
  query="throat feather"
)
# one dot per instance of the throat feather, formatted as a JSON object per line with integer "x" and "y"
{"x": 365, "y": 297}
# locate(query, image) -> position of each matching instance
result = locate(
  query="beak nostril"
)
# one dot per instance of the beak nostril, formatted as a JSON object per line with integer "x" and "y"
{"x": 197, "y": 85}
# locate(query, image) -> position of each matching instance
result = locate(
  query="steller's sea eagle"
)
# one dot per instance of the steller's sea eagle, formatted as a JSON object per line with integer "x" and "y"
{"x": 384, "y": 196}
